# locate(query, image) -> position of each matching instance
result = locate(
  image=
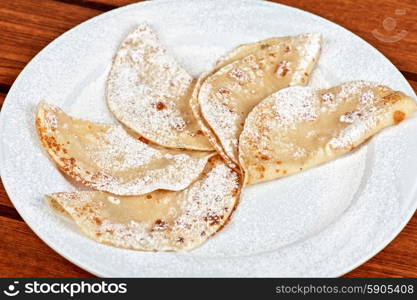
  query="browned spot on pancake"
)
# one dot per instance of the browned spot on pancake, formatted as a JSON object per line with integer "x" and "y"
{"x": 264, "y": 157}
{"x": 278, "y": 162}
{"x": 237, "y": 74}
{"x": 180, "y": 240}
{"x": 277, "y": 170}
{"x": 200, "y": 132}
{"x": 97, "y": 221}
{"x": 272, "y": 54}
{"x": 285, "y": 172}
{"x": 234, "y": 193}
{"x": 89, "y": 126}
{"x": 160, "y": 106}
{"x": 282, "y": 69}
{"x": 212, "y": 219}
{"x": 143, "y": 140}
{"x": 393, "y": 97}
{"x": 287, "y": 49}
{"x": 203, "y": 233}
{"x": 224, "y": 91}
{"x": 264, "y": 46}
{"x": 260, "y": 168}
{"x": 49, "y": 141}
{"x": 212, "y": 159}
{"x": 160, "y": 225}
{"x": 149, "y": 196}
{"x": 398, "y": 116}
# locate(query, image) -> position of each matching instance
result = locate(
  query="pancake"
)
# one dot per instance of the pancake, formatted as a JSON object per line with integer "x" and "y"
{"x": 298, "y": 128}
{"x": 241, "y": 79}
{"x": 158, "y": 221}
{"x": 106, "y": 158}
{"x": 205, "y": 128}
{"x": 148, "y": 91}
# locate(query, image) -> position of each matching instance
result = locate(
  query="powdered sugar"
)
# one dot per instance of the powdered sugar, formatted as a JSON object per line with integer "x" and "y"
{"x": 119, "y": 151}
{"x": 148, "y": 91}
{"x": 107, "y": 158}
{"x": 322, "y": 222}
{"x": 254, "y": 75}
{"x": 295, "y": 104}
{"x": 308, "y": 53}
{"x": 200, "y": 211}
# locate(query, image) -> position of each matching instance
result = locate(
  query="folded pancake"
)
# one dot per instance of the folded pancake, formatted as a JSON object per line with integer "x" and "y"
{"x": 205, "y": 128}
{"x": 158, "y": 221}
{"x": 106, "y": 158}
{"x": 298, "y": 128}
{"x": 231, "y": 56}
{"x": 243, "y": 50}
{"x": 243, "y": 78}
{"x": 148, "y": 91}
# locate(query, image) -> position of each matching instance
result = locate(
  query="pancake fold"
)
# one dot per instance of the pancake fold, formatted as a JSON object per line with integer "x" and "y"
{"x": 106, "y": 158}
{"x": 158, "y": 221}
{"x": 148, "y": 91}
{"x": 298, "y": 128}
{"x": 246, "y": 75}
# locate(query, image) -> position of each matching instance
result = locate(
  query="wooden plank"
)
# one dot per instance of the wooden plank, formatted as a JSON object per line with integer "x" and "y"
{"x": 413, "y": 85}
{"x": 103, "y": 5}
{"x": 365, "y": 16}
{"x": 2, "y": 97}
{"x": 116, "y": 3}
{"x": 23, "y": 254}
{"x": 4, "y": 199}
{"x": 28, "y": 26}
{"x": 398, "y": 259}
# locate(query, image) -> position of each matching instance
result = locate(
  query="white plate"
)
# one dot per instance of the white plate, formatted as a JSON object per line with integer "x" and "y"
{"x": 323, "y": 222}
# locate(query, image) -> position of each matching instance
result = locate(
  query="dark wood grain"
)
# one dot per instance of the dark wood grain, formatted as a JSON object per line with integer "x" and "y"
{"x": 364, "y": 16}
{"x": 26, "y": 26}
{"x": 29, "y": 25}
{"x": 23, "y": 254}
{"x": 4, "y": 199}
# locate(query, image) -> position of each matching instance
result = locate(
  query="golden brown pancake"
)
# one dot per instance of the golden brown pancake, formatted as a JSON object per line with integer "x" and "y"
{"x": 249, "y": 73}
{"x": 298, "y": 128}
{"x": 158, "y": 221}
{"x": 106, "y": 158}
{"x": 148, "y": 91}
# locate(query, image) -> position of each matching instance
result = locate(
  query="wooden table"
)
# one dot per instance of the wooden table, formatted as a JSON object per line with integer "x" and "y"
{"x": 26, "y": 26}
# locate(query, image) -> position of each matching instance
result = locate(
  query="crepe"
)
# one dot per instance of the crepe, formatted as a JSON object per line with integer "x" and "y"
{"x": 298, "y": 128}
{"x": 158, "y": 221}
{"x": 148, "y": 91}
{"x": 233, "y": 55}
{"x": 223, "y": 98}
{"x": 106, "y": 158}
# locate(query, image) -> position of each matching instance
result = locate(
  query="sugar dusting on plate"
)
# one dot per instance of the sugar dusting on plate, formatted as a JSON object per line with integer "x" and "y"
{"x": 307, "y": 227}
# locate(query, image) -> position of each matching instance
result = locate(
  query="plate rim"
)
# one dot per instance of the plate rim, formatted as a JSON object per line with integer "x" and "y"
{"x": 412, "y": 207}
